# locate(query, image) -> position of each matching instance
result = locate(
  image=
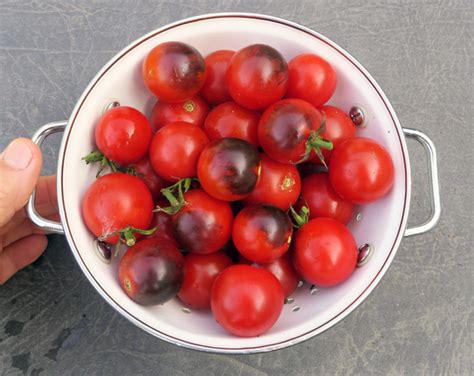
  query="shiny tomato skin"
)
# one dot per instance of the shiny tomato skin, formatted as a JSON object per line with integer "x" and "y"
{"x": 246, "y": 301}
{"x": 123, "y": 134}
{"x": 152, "y": 271}
{"x": 231, "y": 120}
{"x": 229, "y": 168}
{"x": 338, "y": 128}
{"x": 279, "y": 184}
{"x": 192, "y": 111}
{"x": 200, "y": 271}
{"x": 262, "y": 233}
{"x": 145, "y": 171}
{"x": 282, "y": 268}
{"x": 175, "y": 150}
{"x": 257, "y": 76}
{"x": 323, "y": 201}
{"x": 204, "y": 224}
{"x": 361, "y": 170}
{"x": 115, "y": 201}
{"x": 311, "y": 78}
{"x": 174, "y": 71}
{"x": 215, "y": 87}
{"x": 325, "y": 252}
{"x": 285, "y": 127}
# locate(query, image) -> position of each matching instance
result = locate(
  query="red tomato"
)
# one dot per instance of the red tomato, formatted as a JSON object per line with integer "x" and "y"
{"x": 262, "y": 233}
{"x": 311, "y": 78}
{"x": 325, "y": 252}
{"x": 115, "y": 201}
{"x": 257, "y": 76}
{"x": 339, "y": 127}
{"x": 231, "y": 120}
{"x": 151, "y": 272}
{"x": 246, "y": 301}
{"x": 204, "y": 224}
{"x": 192, "y": 111}
{"x": 279, "y": 184}
{"x": 282, "y": 268}
{"x": 154, "y": 183}
{"x": 361, "y": 170}
{"x": 200, "y": 273}
{"x": 175, "y": 150}
{"x": 123, "y": 134}
{"x": 228, "y": 169}
{"x": 215, "y": 87}
{"x": 174, "y": 71}
{"x": 323, "y": 201}
{"x": 286, "y": 131}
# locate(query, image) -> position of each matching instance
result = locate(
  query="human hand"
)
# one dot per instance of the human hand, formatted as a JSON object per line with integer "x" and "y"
{"x": 21, "y": 242}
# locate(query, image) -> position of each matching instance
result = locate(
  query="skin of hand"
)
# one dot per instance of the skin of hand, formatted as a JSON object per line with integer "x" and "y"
{"x": 21, "y": 242}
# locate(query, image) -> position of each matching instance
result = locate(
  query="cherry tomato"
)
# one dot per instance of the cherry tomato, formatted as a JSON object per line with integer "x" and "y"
{"x": 279, "y": 184}
{"x": 287, "y": 131}
{"x": 231, "y": 120}
{"x": 123, "y": 134}
{"x": 175, "y": 150}
{"x": 325, "y": 252}
{"x": 282, "y": 268}
{"x": 146, "y": 172}
{"x": 192, "y": 111}
{"x": 262, "y": 233}
{"x": 200, "y": 272}
{"x": 361, "y": 170}
{"x": 311, "y": 78}
{"x": 323, "y": 201}
{"x": 174, "y": 71}
{"x": 115, "y": 201}
{"x": 204, "y": 224}
{"x": 228, "y": 169}
{"x": 152, "y": 271}
{"x": 215, "y": 87}
{"x": 257, "y": 76}
{"x": 338, "y": 127}
{"x": 246, "y": 301}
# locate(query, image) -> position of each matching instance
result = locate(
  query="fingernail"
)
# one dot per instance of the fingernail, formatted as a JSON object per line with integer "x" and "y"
{"x": 17, "y": 155}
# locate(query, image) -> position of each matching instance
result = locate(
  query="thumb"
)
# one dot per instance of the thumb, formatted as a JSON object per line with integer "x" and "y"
{"x": 20, "y": 166}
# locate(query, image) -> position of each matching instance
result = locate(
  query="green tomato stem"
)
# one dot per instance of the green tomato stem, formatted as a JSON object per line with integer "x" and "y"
{"x": 300, "y": 218}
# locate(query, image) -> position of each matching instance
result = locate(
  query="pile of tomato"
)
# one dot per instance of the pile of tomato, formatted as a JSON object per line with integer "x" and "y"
{"x": 239, "y": 185}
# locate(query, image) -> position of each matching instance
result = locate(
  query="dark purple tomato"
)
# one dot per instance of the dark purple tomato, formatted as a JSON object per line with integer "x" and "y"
{"x": 262, "y": 233}
{"x": 229, "y": 168}
{"x": 287, "y": 131}
{"x": 174, "y": 71}
{"x": 257, "y": 76}
{"x": 204, "y": 224}
{"x": 152, "y": 271}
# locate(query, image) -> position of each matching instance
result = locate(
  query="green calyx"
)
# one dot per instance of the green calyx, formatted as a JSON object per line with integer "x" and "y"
{"x": 127, "y": 234}
{"x": 175, "y": 196}
{"x": 315, "y": 143}
{"x": 97, "y": 156}
{"x": 301, "y": 218}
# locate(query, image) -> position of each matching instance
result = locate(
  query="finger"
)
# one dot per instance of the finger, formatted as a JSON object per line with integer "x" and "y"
{"x": 20, "y": 254}
{"x": 20, "y": 166}
{"x": 24, "y": 228}
{"x": 19, "y": 218}
{"x": 46, "y": 204}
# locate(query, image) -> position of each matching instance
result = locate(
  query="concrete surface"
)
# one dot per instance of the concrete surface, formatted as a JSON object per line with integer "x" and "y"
{"x": 417, "y": 322}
